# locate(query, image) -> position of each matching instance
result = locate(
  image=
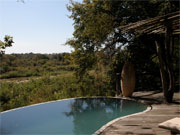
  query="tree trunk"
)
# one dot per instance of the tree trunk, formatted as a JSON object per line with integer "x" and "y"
{"x": 168, "y": 49}
{"x": 166, "y": 69}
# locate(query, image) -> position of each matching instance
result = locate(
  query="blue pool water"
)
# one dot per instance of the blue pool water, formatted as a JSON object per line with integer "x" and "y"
{"x": 67, "y": 117}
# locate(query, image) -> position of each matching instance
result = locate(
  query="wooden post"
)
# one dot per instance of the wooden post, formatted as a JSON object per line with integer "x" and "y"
{"x": 162, "y": 67}
{"x": 165, "y": 62}
{"x": 168, "y": 49}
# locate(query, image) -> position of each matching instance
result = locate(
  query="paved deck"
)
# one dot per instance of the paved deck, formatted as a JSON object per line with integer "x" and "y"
{"x": 147, "y": 123}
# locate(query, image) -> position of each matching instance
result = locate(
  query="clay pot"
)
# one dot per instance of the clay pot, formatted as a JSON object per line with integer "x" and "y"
{"x": 128, "y": 79}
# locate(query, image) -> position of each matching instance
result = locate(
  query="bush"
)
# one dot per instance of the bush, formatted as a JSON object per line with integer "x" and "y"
{"x": 14, "y": 95}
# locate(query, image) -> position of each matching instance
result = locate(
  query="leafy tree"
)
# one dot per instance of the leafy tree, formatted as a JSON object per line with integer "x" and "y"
{"x": 96, "y": 30}
{"x": 8, "y": 41}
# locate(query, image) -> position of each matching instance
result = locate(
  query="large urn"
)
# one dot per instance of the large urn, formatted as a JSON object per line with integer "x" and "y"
{"x": 128, "y": 79}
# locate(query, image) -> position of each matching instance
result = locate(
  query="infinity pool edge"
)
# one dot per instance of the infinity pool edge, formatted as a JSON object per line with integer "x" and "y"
{"x": 57, "y": 101}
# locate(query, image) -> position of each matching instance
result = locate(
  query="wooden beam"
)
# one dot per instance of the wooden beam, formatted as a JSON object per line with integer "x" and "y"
{"x": 153, "y": 25}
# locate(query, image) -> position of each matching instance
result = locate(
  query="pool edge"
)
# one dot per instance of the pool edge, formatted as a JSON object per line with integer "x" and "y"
{"x": 34, "y": 105}
{"x": 54, "y": 101}
{"x": 99, "y": 131}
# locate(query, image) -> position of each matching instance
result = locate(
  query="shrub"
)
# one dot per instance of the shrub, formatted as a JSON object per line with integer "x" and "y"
{"x": 14, "y": 95}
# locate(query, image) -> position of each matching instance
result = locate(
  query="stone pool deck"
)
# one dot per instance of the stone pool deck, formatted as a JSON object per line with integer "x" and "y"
{"x": 147, "y": 122}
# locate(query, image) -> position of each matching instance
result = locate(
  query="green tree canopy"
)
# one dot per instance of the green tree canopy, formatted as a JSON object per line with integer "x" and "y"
{"x": 96, "y": 25}
{"x": 97, "y": 39}
{"x": 8, "y": 41}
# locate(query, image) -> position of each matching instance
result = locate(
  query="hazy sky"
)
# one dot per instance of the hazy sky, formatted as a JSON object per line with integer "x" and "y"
{"x": 38, "y": 26}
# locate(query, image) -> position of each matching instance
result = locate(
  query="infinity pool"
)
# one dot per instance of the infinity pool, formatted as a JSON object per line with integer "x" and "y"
{"x": 66, "y": 117}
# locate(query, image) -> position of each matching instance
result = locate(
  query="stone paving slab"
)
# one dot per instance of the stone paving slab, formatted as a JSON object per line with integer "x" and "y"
{"x": 146, "y": 123}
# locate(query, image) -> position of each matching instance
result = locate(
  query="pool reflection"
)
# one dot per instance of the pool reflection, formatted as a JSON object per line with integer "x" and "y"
{"x": 72, "y": 117}
{"x": 89, "y": 114}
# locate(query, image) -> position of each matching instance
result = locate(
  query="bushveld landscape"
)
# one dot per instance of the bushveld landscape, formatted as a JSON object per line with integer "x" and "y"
{"x": 27, "y": 79}
{"x": 100, "y": 51}
{"x": 34, "y": 78}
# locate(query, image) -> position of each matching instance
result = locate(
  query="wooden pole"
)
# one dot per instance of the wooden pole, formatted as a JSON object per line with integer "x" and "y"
{"x": 162, "y": 67}
{"x": 168, "y": 47}
{"x": 165, "y": 62}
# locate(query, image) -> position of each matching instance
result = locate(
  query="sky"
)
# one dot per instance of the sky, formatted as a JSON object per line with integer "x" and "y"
{"x": 37, "y": 26}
